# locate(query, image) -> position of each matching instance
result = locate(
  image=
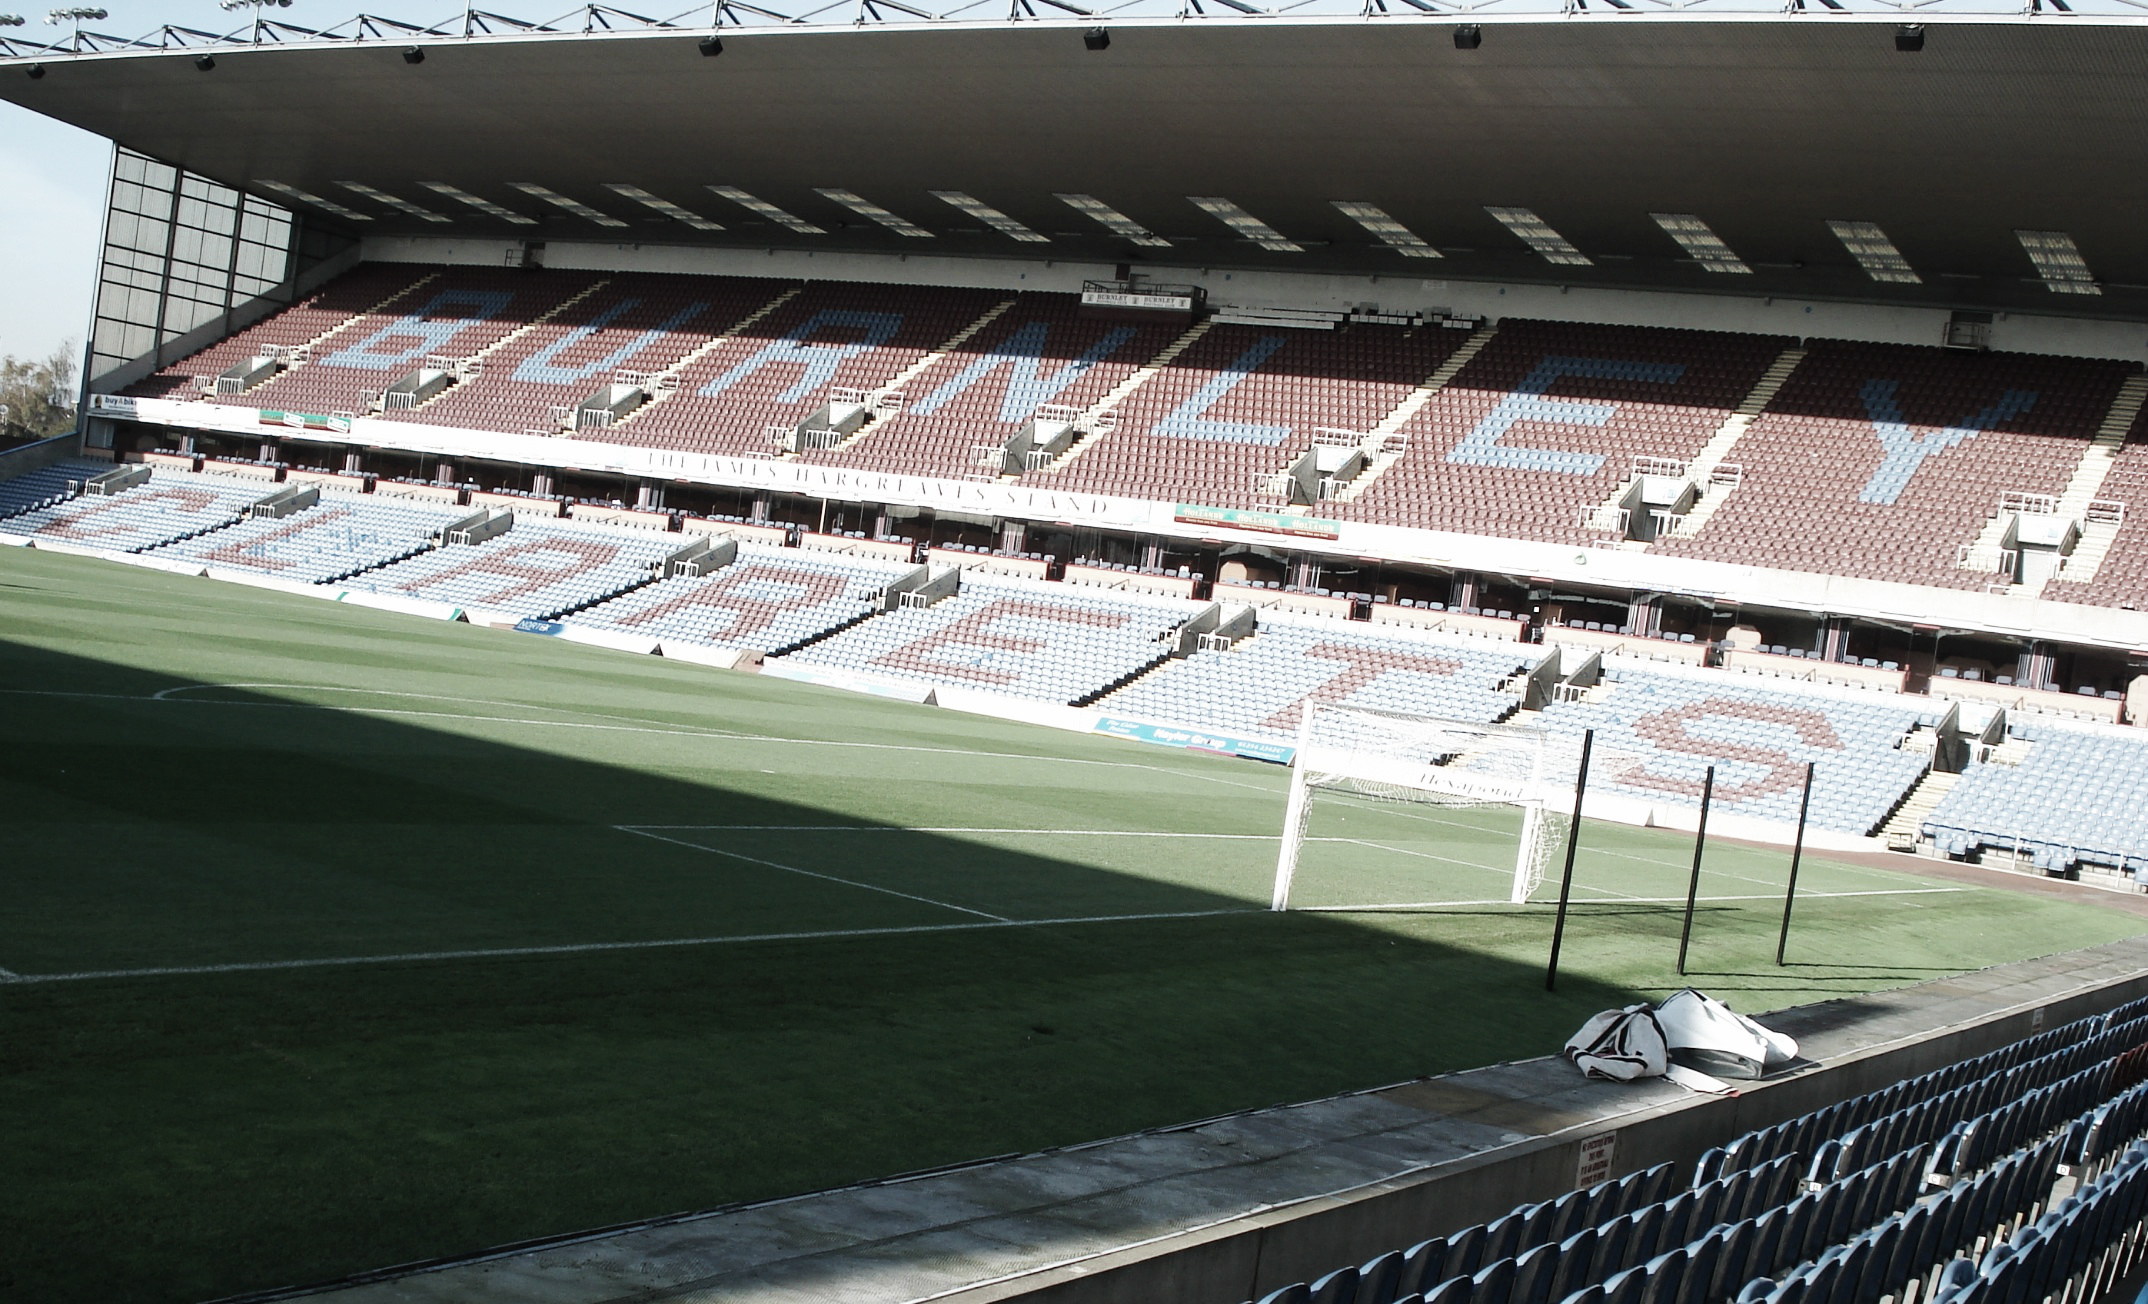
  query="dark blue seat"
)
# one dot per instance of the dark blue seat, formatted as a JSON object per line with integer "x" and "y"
{"x": 1534, "y": 1271}
{"x": 1503, "y": 1236}
{"x": 1465, "y": 1251}
{"x": 1577, "y": 1260}
{"x": 1666, "y": 1278}
{"x": 1612, "y": 1241}
{"x": 1702, "y": 1256}
{"x": 1733, "y": 1264}
{"x": 1494, "y": 1283}
{"x": 1379, "y": 1280}
{"x": 1337, "y": 1287}
{"x": 1424, "y": 1265}
{"x": 1626, "y": 1287}
{"x": 1454, "y": 1290}
{"x": 1298, "y": 1293}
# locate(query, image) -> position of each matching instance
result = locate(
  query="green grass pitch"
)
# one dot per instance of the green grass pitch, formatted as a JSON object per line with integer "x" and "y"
{"x": 335, "y": 939}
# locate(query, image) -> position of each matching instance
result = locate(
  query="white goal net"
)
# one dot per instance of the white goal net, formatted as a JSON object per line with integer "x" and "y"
{"x": 1429, "y": 762}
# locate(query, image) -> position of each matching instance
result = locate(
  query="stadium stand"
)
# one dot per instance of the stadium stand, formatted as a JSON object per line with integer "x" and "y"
{"x": 1012, "y": 636}
{"x": 632, "y": 323}
{"x": 1038, "y": 352}
{"x": 456, "y": 315}
{"x": 340, "y": 536}
{"x": 1550, "y": 417}
{"x": 1672, "y": 727}
{"x": 329, "y": 309}
{"x": 1885, "y": 461}
{"x": 2070, "y": 800}
{"x": 45, "y": 486}
{"x": 536, "y": 569}
{"x": 781, "y": 369}
{"x": 768, "y": 600}
{"x": 166, "y": 508}
{"x": 1241, "y": 403}
{"x": 1849, "y": 1204}
{"x": 2121, "y": 577}
{"x": 1256, "y": 685}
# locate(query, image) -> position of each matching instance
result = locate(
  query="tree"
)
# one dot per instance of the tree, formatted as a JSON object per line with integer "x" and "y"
{"x": 39, "y": 396}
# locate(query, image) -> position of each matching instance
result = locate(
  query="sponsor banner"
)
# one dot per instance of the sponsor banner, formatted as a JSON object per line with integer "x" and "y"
{"x": 168, "y": 566}
{"x": 723, "y": 658}
{"x": 1304, "y": 527}
{"x": 76, "y": 549}
{"x": 903, "y": 689}
{"x": 1197, "y": 740}
{"x": 530, "y": 626}
{"x": 408, "y": 606}
{"x": 14, "y": 540}
{"x": 1123, "y": 299}
{"x": 112, "y": 405}
{"x": 639, "y": 644}
{"x": 305, "y": 421}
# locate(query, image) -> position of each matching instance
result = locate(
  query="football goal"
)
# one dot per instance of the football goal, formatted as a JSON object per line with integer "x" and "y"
{"x": 1402, "y": 802}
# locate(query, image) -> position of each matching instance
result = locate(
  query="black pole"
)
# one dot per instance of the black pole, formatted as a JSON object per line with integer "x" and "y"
{"x": 1700, "y": 841}
{"x": 1797, "y": 853}
{"x": 1566, "y": 879}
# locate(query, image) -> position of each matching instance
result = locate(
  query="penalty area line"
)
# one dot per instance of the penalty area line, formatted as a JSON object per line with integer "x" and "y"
{"x": 1623, "y": 901}
{"x": 591, "y": 948}
{"x": 808, "y": 873}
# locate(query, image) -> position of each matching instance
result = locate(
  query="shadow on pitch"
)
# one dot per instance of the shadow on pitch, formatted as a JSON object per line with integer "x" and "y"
{"x": 529, "y": 1063}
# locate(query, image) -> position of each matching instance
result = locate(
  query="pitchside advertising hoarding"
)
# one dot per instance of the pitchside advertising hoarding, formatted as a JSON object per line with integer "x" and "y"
{"x": 1196, "y": 740}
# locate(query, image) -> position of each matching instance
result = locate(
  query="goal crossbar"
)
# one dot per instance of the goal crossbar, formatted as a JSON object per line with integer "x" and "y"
{"x": 1427, "y": 760}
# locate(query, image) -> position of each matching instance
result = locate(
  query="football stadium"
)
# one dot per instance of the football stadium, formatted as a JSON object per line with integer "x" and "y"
{"x": 862, "y": 653}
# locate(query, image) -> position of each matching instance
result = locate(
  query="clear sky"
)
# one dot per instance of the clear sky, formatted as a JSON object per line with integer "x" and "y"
{"x": 52, "y": 201}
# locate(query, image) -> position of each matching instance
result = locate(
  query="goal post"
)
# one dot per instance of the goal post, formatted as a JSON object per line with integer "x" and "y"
{"x": 1427, "y": 761}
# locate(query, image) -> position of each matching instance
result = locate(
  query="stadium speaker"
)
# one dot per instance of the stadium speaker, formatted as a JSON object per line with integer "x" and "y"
{"x": 1909, "y": 38}
{"x": 413, "y": 54}
{"x": 1096, "y": 38}
{"x": 711, "y": 47}
{"x": 205, "y": 62}
{"x": 1468, "y": 36}
{"x": 36, "y": 70}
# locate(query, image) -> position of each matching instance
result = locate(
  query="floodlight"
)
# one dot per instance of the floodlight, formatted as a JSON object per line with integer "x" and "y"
{"x": 75, "y": 15}
{"x": 864, "y": 207}
{"x": 232, "y": 6}
{"x": 664, "y": 206}
{"x": 1535, "y": 232}
{"x": 10, "y": 20}
{"x": 1245, "y": 224}
{"x": 1112, "y": 220}
{"x": 2058, "y": 261}
{"x": 205, "y": 62}
{"x": 326, "y": 205}
{"x": 762, "y": 208}
{"x": 1468, "y": 36}
{"x": 413, "y": 55}
{"x": 1096, "y": 38}
{"x": 485, "y": 206}
{"x": 711, "y": 46}
{"x": 1874, "y": 252}
{"x": 990, "y": 216}
{"x": 1697, "y": 238}
{"x": 1909, "y": 38}
{"x": 574, "y": 206}
{"x": 364, "y": 191}
{"x": 1393, "y": 234}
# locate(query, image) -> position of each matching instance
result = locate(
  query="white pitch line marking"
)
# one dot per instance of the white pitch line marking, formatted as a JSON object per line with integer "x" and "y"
{"x": 9, "y": 976}
{"x": 584, "y": 948}
{"x": 721, "y": 734}
{"x": 905, "y": 828}
{"x": 793, "y": 869}
{"x": 1666, "y": 900}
